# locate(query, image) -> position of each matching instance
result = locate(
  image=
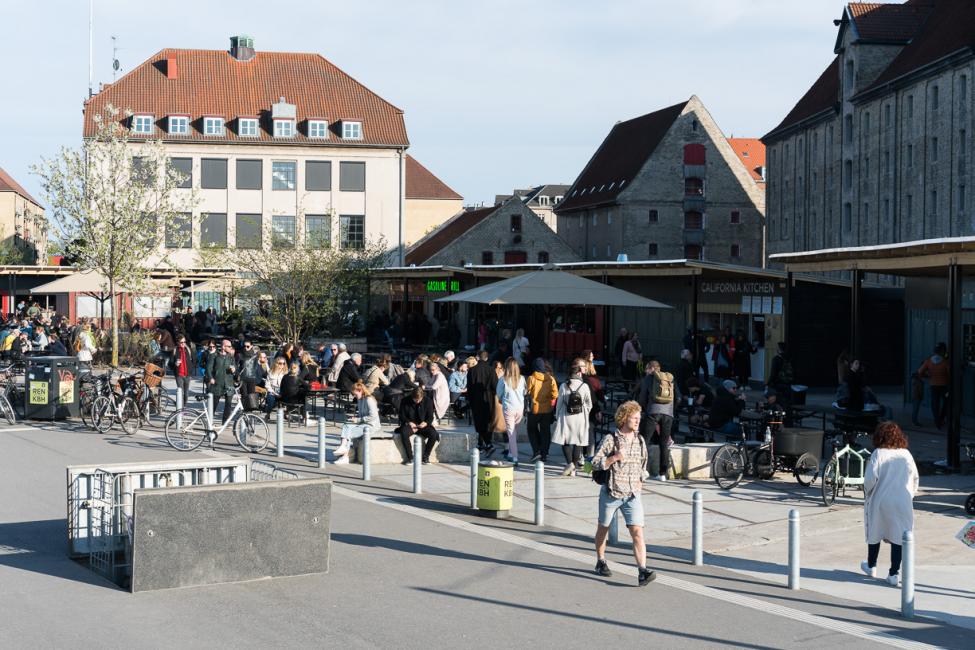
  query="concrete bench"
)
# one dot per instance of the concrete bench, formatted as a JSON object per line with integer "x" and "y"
{"x": 387, "y": 448}
{"x": 691, "y": 461}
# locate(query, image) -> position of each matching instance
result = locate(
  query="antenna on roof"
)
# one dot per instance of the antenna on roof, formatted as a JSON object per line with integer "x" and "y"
{"x": 116, "y": 66}
{"x": 91, "y": 48}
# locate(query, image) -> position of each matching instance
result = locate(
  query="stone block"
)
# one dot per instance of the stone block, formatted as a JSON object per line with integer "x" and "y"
{"x": 212, "y": 534}
{"x": 691, "y": 461}
{"x": 388, "y": 448}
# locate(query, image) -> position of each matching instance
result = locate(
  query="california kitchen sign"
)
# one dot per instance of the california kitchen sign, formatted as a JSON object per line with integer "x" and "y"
{"x": 734, "y": 288}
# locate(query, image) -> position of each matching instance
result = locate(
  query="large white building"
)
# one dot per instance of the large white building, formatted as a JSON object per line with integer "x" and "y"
{"x": 282, "y": 148}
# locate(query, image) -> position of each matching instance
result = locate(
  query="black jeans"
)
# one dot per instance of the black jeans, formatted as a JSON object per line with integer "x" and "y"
{"x": 228, "y": 404}
{"x": 183, "y": 384}
{"x": 873, "y": 552}
{"x": 666, "y": 423}
{"x": 939, "y": 404}
{"x": 482, "y": 416}
{"x": 429, "y": 435}
{"x": 540, "y": 433}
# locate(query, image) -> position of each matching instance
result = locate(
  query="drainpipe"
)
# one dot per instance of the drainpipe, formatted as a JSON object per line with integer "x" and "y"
{"x": 402, "y": 174}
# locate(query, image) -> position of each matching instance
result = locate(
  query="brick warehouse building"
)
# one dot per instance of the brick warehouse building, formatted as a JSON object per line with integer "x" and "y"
{"x": 668, "y": 185}
{"x": 877, "y": 151}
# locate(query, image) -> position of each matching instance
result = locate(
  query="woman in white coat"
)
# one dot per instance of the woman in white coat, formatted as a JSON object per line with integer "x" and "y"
{"x": 572, "y": 417}
{"x": 890, "y": 484}
{"x": 439, "y": 390}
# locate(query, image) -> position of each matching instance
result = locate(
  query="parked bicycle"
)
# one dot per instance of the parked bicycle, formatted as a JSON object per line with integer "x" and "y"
{"x": 189, "y": 427}
{"x": 846, "y": 468}
{"x": 9, "y": 394}
{"x": 792, "y": 453}
{"x": 119, "y": 405}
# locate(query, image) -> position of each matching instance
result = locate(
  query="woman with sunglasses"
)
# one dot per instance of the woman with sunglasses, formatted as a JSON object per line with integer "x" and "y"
{"x": 273, "y": 382}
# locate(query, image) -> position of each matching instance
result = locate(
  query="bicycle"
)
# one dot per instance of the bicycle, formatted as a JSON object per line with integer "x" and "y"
{"x": 846, "y": 468}
{"x": 10, "y": 393}
{"x": 188, "y": 428}
{"x": 118, "y": 405}
{"x": 734, "y": 459}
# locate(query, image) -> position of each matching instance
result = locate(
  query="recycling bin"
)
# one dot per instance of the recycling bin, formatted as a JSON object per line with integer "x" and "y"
{"x": 51, "y": 388}
{"x": 495, "y": 488}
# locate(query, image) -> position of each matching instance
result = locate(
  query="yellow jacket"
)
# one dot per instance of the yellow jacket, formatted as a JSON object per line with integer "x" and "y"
{"x": 8, "y": 341}
{"x": 543, "y": 390}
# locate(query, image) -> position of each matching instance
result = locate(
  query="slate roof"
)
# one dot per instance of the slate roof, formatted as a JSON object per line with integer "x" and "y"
{"x": 888, "y": 23}
{"x": 751, "y": 152}
{"x": 446, "y": 234}
{"x": 8, "y": 184}
{"x": 822, "y": 95}
{"x": 213, "y": 83}
{"x": 422, "y": 184}
{"x": 619, "y": 158}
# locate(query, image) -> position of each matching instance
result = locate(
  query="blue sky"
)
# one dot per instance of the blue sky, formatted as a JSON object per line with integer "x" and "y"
{"x": 497, "y": 94}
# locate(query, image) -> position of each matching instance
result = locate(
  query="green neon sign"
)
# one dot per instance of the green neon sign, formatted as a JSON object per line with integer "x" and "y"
{"x": 440, "y": 286}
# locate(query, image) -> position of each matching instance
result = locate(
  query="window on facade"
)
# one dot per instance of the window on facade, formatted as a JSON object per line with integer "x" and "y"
{"x": 910, "y": 155}
{"x": 515, "y": 257}
{"x": 910, "y": 206}
{"x": 352, "y": 176}
{"x": 886, "y": 162}
{"x": 934, "y": 202}
{"x": 249, "y": 231}
{"x": 317, "y": 129}
{"x": 213, "y": 126}
{"x": 693, "y": 221}
{"x": 487, "y": 257}
{"x": 653, "y": 216}
{"x": 735, "y": 216}
{"x": 282, "y": 231}
{"x": 866, "y": 123}
{"x": 283, "y": 175}
{"x": 736, "y": 250}
{"x": 886, "y": 208}
{"x": 184, "y": 166}
{"x": 318, "y": 231}
{"x": 543, "y": 257}
{"x": 693, "y": 187}
{"x": 848, "y": 172}
{"x": 247, "y": 127}
{"x": 847, "y": 217}
{"x": 652, "y": 250}
{"x": 142, "y": 172}
{"x": 516, "y": 223}
{"x": 849, "y": 76}
{"x": 179, "y": 125}
{"x": 963, "y": 140}
{"x": 318, "y": 175}
{"x": 887, "y": 117}
{"x": 692, "y": 252}
{"x": 582, "y": 218}
{"x": 250, "y": 174}
{"x": 213, "y": 173}
{"x": 352, "y": 130}
{"x": 213, "y": 230}
{"x": 910, "y": 106}
{"x": 179, "y": 231}
{"x": 848, "y": 129}
{"x": 693, "y": 125}
{"x": 593, "y": 251}
{"x": 352, "y": 230}
{"x": 961, "y": 198}
{"x": 609, "y": 251}
{"x": 142, "y": 124}
{"x": 284, "y": 128}
{"x": 694, "y": 154}
{"x": 934, "y": 150}
{"x": 935, "y": 99}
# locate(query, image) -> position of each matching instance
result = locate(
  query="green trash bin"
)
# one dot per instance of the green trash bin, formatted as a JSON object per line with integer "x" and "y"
{"x": 495, "y": 488}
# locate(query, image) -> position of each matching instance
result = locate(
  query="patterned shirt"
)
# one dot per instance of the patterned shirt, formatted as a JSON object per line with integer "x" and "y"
{"x": 626, "y": 477}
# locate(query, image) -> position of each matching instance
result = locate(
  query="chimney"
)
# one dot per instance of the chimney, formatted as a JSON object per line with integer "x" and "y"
{"x": 242, "y": 47}
{"x": 172, "y": 69}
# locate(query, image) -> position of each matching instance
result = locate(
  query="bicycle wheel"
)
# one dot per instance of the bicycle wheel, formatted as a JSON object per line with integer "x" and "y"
{"x": 806, "y": 469}
{"x": 102, "y": 413}
{"x": 158, "y": 408}
{"x": 130, "y": 415}
{"x": 7, "y": 410}
{"x": 191, "y": 434}
{"x": 252, "y": 433}
{"x": 728, "y": 466}
{"x": 831, "y": 481}
{"x": 763, "y": 465}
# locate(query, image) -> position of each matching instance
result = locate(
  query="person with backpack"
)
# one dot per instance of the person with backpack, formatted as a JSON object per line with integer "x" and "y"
{"x": 781, "y": 375}
{"x": 543, "y": 390}
{"x": 572, "y": 409}
{"x": 657, "y": 402}
{"x": 620, "y": 468}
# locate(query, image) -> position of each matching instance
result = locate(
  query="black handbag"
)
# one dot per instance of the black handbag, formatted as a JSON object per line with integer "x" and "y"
{"x": 601, "y": 476}
{"x": 252, "y": 401}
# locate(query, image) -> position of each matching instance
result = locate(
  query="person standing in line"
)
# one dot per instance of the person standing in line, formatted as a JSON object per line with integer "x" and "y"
{"x": 543, "y": 391}
{"x": 657, "y": 403}
{"x": 481, "y": 384}
{"x": 624, "y": 455}
{"x": 520, "y": 348}
{"x": 572, "y": 409}
{"x": 890, "y": 484}
{"x": 511, "y": 394}
{"x": 184, "y": 367}
{"x": 936, "y": 369}
{"x": 631, "y": 355}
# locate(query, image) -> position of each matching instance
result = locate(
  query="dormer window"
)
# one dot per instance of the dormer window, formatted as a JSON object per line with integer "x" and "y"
{"x": 284, "y": 128}
{"x": 213, "y": 126}
{"x": 179, "y": 124}
{"x": 558, "y": 199}
{"x": 247, "y": 127}
{"x": 543, "y": 200}
{"x": 142, "y": 124}
{"x": 351, "y": 130}
{"x": 317, "y": 129}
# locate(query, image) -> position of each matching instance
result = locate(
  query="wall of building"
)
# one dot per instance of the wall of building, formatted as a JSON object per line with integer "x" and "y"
{"x": 423, "y": 215}
{"x": 23, "y": 225}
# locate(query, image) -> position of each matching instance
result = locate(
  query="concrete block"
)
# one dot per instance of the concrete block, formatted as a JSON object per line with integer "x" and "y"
{"x": 691, "y": 461}
{"x": 212, "y": 534}
{"x": 388, "y": 449}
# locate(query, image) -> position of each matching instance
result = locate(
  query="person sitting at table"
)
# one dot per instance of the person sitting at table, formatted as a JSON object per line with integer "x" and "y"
{"x": 366, "y": 413}
{"x": 293, "y": 389}
{"x": 338, "y": 362}
{"x": 349, "y": 374}
{"x": 439, "y": 391}
{"x": 309, "y": 367}
{"x": 421, "y": 371}
{"x": 458, "y": 381}
{"x": 449, "y": 362}
{"x": 402, "y": 385}
{"x": 272, "y": 383}
{"x": 416, "y": 418}
{"x": 375, "y": 378}
{"x": 727, "y": 406}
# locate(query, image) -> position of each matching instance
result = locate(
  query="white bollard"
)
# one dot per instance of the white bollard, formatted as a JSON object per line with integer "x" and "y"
{"x": 366, "y": 457}
{"x": 614, "y": 529}
{"x": 321, "y": 443}
{"x": 907, "y": 575}
{"x": 475, "y": 461}
{"x": 417, "y": 462}
{"x": 280, "y": 433}
{"x": 210, "y": 406}
{"x": 539, "y": 493}
{"x": 697, "y": 529}
{"x": 793, "y": 549}
{"x": 179, "y": 408}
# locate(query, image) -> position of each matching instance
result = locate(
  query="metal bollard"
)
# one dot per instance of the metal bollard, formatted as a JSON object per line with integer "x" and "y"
{"x": 179, "y": 408}
{"x": 907, "y": 575}
{"x": 366, "y": 458}
{"x": 210, "y": 406}
{"x": 539, "y": 493}
{"x": 417, "y": 462}
{"x": 794, "y": 549}
{"x": 280, "y": 433}
{"x": 614, "y": 530}
{"x": 697, "y": 529}
{"x": 321, "y": 443}
{"x": 475, "y": 461}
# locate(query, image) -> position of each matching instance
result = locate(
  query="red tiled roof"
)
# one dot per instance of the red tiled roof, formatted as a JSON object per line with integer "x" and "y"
{"x": 212, "y": 82}
{"x": 751, "y": 151}
{"x": 422, "y": 184}
{"x": 619, "y": 158}
{"x": 823, "y": 94}
{"x": 896, "y": 23}
{"x": 446, "y": 234}
{"x": 8, "y": 184}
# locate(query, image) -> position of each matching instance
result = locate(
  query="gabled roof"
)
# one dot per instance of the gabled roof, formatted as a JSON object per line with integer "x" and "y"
{"x": 8, "y": 184}
{"x": 551, "y": 191}
{"x": 751, "y": 152}
{"x": 214, "y": 83}
{"x": 619, "y": 158}
{"x": 422, "y": 184}
{"x": 446, "y": 233}
{"x": 823, "y": 95}
{"x": 888, "y": 23}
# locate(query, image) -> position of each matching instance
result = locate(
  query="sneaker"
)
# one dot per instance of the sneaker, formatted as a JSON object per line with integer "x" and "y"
{"x": 645, "y": 577}
{"x": 662, "y": 478}
{"x": 602, "y": 569}
{"x": 342, "y": 449}
{"x": 869, "y": 570}
{"x": 407, "y": 461}
{"x": 535, "y": 458}
{"x": 892, "y": 580}
{"x": 570, "y": 470}
{"x": 341, "y": 460}
{"x": 426, "y": 461}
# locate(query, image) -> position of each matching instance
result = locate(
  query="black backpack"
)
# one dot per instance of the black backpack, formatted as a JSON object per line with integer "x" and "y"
{"x": 573, "y": 403}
